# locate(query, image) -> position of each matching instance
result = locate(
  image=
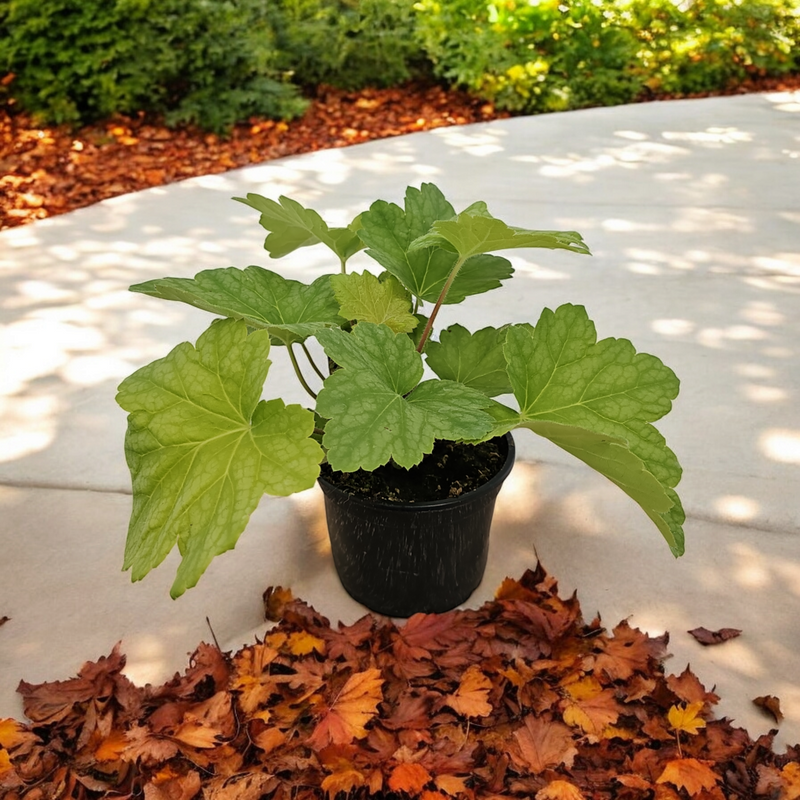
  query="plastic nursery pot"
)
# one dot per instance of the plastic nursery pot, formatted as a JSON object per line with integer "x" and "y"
{"x": 402, "y": 558}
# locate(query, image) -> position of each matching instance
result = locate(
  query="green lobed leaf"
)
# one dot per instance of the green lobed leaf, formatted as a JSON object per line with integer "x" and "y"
{"x": 476, "y": 232}
{"x": 292, "y": 226}
{"x": 388, "y": 231}
{"x": 375, "y": 409}
{"x": 202, "y": 449}
{"x": 560, "y": 373}
{"x": 290, "y": 310}
{"x": 474, "y": 359}
{"x": 365, "y": 298}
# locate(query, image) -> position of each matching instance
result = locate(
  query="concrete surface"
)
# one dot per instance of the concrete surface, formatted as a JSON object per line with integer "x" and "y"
{"x": 692, "y": 210}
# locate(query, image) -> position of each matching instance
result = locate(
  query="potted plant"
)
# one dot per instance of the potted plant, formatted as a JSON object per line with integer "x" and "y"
{"x": 203, "y": 447}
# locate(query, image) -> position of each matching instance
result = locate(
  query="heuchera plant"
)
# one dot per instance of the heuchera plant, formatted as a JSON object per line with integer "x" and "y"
{"x": 203, "y": 447}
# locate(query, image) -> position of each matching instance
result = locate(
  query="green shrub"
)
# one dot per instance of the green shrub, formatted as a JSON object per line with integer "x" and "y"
{"x": 713, "y": 43}
{"x": 348, "y": 43}
{"x": 551, "y": 55}
{"x": 210, "y": 62}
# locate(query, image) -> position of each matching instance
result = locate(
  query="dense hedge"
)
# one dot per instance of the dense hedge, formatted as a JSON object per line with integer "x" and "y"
{"x": 558, "y": 54}
{"x": 214, "y": 62}
{"x": 207, "y": 61}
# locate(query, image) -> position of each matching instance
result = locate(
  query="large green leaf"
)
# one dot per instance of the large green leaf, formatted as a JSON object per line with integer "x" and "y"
{"x": 291, "y": 311}
{"x": 477, "y": 232}
{"x": 202, "y": 449}
{"x": 560, "y": 373}
{"x": 375, "y": 408}
{"x": 364, "y": 298}
{"x": 291, "y": 226}
{"x": 475, "y": 359}
{"x": 389, "y": 231}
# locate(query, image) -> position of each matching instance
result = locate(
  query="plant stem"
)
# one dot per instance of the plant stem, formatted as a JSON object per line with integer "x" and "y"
{"x": 311, "y": 361}
{"x": 342, "y": 265}
{"x": 445, "y": 289}
{"x": 300, "y": 374}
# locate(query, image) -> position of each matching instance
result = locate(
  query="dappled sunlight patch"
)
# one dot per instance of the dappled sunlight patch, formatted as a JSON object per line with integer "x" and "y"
{"x": 673, "y": 327}
{"x": 712, "y": 136}
{"x": 764, "y": 394}
{"x": 736, "y": 508}
{"x": 788, "y": 102}
{"x": 781, "y": 444}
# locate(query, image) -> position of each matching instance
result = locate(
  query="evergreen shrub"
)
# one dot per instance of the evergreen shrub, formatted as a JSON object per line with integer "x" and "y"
{"x": 348, "y": 43}
{"x": 210, "y": 62}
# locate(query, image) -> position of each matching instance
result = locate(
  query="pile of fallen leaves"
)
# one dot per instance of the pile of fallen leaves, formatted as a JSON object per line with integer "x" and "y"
{"x": 517, "y": 699}
{"x": 46, "y": 171}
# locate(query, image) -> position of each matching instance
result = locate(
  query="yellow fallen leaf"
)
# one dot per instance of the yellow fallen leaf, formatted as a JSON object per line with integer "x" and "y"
{"x": 685, "y": 718}
{"x": 302, "y": 643}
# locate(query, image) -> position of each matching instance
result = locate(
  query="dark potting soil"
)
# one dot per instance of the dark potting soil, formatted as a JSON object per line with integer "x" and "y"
{"x": 450, "y": 470}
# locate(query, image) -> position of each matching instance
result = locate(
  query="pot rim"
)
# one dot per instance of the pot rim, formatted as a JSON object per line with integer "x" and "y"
{"x": 493, "y": 483}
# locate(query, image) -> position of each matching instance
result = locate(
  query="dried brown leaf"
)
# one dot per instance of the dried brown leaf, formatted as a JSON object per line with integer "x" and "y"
{"x": 771, "y": 705}
{"x": 544, "y": 742}
{"x": 628, "y": 652}
{"x": 707, "y": 637}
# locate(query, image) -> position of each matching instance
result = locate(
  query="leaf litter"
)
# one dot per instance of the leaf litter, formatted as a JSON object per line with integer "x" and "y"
{"x": 520, "y": 698}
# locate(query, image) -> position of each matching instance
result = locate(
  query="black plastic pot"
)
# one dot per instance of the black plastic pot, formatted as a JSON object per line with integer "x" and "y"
{"x": 402, "y": 558}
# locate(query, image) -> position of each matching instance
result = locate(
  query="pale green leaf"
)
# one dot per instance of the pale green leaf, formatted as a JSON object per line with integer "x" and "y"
{"x": 475, "y": 359}
{"x": 202, "y": 449}
{"x": 375, "y": 409}
{"x": 561, "y": 373}
{"x": 388, "y": 231}
{"x": 474, "y": 233}
{"x": 292, "y": 226}
{"x": 364, "y": 298}
{"x": 291, "y": 311}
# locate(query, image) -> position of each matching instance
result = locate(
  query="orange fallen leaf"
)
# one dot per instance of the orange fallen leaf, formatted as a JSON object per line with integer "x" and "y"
{"x": 344, "y": 781}
{"x": 429, "y": 794}
{"x": 172, "y": 786}
{"x": 409, "y": 778}
{"x": 589, "y": 706}
{"x": 112, "y": 747}
{"x": 689, "y": 774}
{"x": 451, "y": 784}
{"x": 206, "y": 724}
{"x": 790, "y": 775}
{"x": 13, "y": 733}
{"x": 471, "y": 699}
{"x": 560, "y": 790}
{"x": 355, "y": 706}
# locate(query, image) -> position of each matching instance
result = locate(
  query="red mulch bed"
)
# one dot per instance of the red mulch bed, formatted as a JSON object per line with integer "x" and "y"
{"x": 51, "y": 170}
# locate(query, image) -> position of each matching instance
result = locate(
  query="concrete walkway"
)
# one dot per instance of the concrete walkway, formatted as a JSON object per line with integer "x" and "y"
{"x": 692, "y": 210}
